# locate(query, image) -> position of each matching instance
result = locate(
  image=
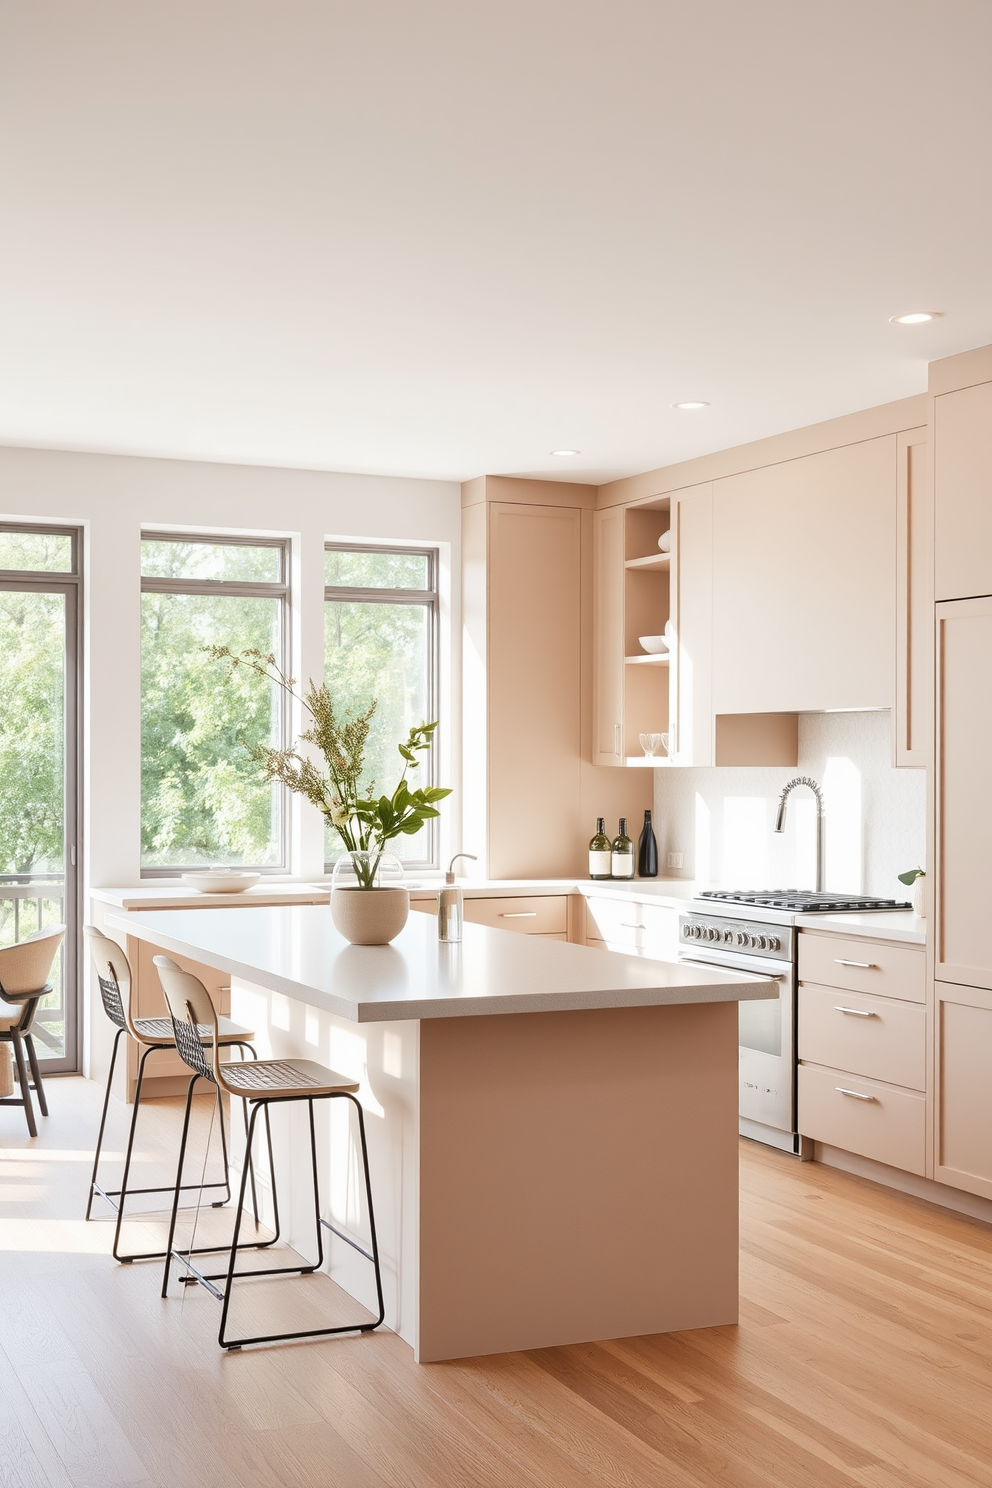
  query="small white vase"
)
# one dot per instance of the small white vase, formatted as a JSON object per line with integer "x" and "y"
{"x": 918, "y": 895}
{"x": 370, "y": 916}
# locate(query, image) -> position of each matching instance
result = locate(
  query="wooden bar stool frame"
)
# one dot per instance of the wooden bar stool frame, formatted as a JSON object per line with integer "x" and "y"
{"x": 191, "y": 1005}
{"x": 150, "y": 1034}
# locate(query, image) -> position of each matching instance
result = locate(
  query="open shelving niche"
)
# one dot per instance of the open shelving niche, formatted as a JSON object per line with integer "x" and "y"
{"x": 646, "y": 610}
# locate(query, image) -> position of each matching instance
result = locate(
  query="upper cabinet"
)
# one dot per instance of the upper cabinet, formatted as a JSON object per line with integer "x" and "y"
{"x": 962, "y": 422}
{"x": 804, "y": 563}
{"x": 631, "y": 599}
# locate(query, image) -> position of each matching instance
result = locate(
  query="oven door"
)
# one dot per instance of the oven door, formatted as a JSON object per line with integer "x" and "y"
{"x": 767, "y": 1042}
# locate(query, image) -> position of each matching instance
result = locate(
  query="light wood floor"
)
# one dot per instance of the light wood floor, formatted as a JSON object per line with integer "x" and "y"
{"x": 863, "y": 1356}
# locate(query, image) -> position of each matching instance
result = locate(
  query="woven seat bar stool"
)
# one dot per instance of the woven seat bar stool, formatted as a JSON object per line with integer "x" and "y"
{"x": 24, "y": 971}
{"x": 113, "y": 974}
{"x": 260, "y": 1085}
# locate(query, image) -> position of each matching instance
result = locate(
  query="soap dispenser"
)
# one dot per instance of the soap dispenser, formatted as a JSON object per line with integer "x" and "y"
{"x": 451, "y": 904}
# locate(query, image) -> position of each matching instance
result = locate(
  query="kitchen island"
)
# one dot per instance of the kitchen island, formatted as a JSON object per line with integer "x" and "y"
{"x": 552, "y": 1131}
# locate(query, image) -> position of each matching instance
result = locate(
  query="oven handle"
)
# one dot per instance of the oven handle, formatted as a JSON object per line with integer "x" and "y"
{"x": 747, "y": 969}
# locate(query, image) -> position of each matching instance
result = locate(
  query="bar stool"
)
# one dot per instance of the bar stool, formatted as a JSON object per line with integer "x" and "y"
{"x": 259, "y": 1085}
{"x": 113, "y": 974}
{"x": 24, "y": 971}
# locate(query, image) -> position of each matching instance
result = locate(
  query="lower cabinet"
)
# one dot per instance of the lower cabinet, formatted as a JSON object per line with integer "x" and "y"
{"x": 863, "y": 1048}
{"x": 635, "y": 927}
{"x": 538, "y": 914}
{"x": 963, "y": 1156}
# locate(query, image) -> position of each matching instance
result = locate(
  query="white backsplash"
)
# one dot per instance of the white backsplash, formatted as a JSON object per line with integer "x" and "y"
{"x": 722, "y": 820}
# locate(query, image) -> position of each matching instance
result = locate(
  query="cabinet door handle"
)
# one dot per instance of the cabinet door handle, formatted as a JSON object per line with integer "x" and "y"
{"x": 616, "y": 740}
{"x": 854, "y": 1094}
{"x": 518, "y": 914}
{"x": 626, "y": 925}
{"x": 864, "y": 965}
{"x": 854, "y": 1012}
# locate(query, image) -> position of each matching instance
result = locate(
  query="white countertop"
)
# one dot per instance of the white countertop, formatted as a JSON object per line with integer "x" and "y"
{"x": 296, "y": 950}
{"x": 880, "y": 924}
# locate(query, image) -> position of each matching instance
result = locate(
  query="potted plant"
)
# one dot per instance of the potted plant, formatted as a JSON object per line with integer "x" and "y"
{"x": 915, "y": 881}
{"x": 369, "y": 902}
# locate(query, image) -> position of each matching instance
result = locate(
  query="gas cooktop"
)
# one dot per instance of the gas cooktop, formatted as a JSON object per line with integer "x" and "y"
{"x": 805, "y": 901}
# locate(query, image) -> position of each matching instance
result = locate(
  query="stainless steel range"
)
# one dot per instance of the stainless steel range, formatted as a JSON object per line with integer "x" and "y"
{"x": 753, "y": 931}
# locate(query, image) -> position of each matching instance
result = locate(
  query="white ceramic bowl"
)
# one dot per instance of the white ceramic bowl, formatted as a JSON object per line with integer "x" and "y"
{"x": 653, "y": 644}
{"x": 665, "y": 542}
{"x": 217, "y": 881}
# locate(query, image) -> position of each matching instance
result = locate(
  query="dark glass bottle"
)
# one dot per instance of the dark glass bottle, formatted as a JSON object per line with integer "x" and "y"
{"x": 647, "y": 850}
{"x": 622, "y": 855}
{"x": 600, "y": 863}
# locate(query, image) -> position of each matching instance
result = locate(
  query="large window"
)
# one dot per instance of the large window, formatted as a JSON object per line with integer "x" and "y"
{"x": 203, "y": 800}
{"x": 380, "y": 641}
{"x": 39, "y": 761}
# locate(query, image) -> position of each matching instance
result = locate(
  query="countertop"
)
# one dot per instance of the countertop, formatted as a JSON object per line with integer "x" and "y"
{"x": 296, "y": 950}
{"x": 881, "y": 924}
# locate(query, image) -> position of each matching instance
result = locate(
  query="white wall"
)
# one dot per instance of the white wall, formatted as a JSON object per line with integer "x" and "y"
{"x": 723, "y": 819}
{"x": 112, "y": 497}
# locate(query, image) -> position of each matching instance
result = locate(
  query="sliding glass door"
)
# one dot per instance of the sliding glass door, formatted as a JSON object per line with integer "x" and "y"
{"x": 39, "y": 763}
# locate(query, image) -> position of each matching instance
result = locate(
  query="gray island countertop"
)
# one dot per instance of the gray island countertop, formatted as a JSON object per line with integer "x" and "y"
{"x": 295, "y": 950}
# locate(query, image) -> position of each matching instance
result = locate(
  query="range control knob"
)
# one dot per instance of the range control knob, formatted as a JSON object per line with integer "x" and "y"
{"x": 686, "y": 932}
{"x": 760, "y": 942}
{"x": 728, "y": 935}
{"x": 774, "y": 944}
{"x": 697, "y": 931}
{"x": 742, "y": 938}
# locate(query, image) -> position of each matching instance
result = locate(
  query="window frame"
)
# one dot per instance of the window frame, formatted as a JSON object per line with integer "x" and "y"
{"x": 69, "y": 583}
{"x": 430, "y": 600}
{"x": 245, "y": 589}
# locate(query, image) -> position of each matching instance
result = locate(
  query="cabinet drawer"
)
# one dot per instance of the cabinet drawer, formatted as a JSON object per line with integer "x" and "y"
{"x": 540, "y": 915}
{"x": 874, "y": 1120}
{"x": 651, "y": 929}
{"x": 875, "y": 966}
{"x": 877, "y": 1037}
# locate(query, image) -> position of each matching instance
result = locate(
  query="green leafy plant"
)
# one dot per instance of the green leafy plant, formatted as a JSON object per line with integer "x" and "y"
{"x": 364, "y": 822}
{"x": 911, "y": 875}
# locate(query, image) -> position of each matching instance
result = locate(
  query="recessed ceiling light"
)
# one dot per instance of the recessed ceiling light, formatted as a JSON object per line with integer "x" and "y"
{"x": 690, "y": 406}
{"x": 915, "y": 317}
{"x": 563, "y": 453}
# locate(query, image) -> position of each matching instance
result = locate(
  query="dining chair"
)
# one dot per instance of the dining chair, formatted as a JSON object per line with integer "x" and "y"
{"x": 24, "y": 971}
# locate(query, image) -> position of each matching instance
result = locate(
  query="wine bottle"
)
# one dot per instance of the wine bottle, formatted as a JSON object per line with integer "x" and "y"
{"x": 600, "y": 854}
{"x": 647, "y": 850}
{"x": 622, "y": 853}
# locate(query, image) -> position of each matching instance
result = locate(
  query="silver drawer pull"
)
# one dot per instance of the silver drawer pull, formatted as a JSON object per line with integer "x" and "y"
{"x": 864, "y": 965}
{"x": 626, "y": 925}
{"x": 854, "y": 1094}
{"x": 518, "y": 914}
{"x": 855, "y": 1012}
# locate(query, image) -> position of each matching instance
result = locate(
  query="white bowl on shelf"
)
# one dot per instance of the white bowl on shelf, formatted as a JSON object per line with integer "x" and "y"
{"x": 220, "y": 881}
{"x": 653, "y": 645}
{"x": 665, "y": 542}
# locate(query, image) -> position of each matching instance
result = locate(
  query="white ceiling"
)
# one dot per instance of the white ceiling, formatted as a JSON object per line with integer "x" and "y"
{"x": 439, "y": 237}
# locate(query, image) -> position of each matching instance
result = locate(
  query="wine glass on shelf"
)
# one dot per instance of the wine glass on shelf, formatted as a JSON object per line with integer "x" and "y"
{"x": 652, "y": 744}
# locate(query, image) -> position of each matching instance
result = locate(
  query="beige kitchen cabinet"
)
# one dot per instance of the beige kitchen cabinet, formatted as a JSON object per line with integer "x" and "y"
{"x": 691, "y": 690}
{"x": 963, "y": 1148}
{"x": 862, "y": 1037}
{"x": 912, "y": 717}
{"x": 631, "y": 599}
{"x": 635, "y": 927}
{"x": 804, "y": 558}
{"x": 963, "y": 793}
{"x": 531, "y": 789}
{"x": 962, "y": 425}
{"x": 531, "y": 914}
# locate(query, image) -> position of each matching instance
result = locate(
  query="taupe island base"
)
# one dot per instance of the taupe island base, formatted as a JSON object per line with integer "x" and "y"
{"x": 552, "y": 1128}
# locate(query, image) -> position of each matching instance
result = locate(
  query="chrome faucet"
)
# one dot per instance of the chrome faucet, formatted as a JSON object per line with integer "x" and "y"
{"x": 820, "y": 814}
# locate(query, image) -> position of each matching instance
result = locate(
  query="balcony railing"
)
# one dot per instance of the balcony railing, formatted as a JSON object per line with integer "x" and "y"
{"x": 28, "y": 903}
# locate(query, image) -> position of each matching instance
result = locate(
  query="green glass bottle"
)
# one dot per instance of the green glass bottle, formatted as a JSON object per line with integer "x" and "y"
{"x": 600, "y": 852}
{"x": 622, "y": 853}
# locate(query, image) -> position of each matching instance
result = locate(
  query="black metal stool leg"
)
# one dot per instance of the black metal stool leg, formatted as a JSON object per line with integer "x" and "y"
{"x": 103, "y": 1120}
{"x": 256, "y": 1106}
{"x": 372, "y": 1233}
{"x": 22, "y": 1075}
{"x": 127, "y": 1159}
{"x": 36, "y": 1073}
{"x": 179, "y": 1180}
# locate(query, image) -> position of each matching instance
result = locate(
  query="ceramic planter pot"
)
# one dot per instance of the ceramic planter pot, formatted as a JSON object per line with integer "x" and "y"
{"x": 918, "y": 895}
{"x": 370, "y": 916}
